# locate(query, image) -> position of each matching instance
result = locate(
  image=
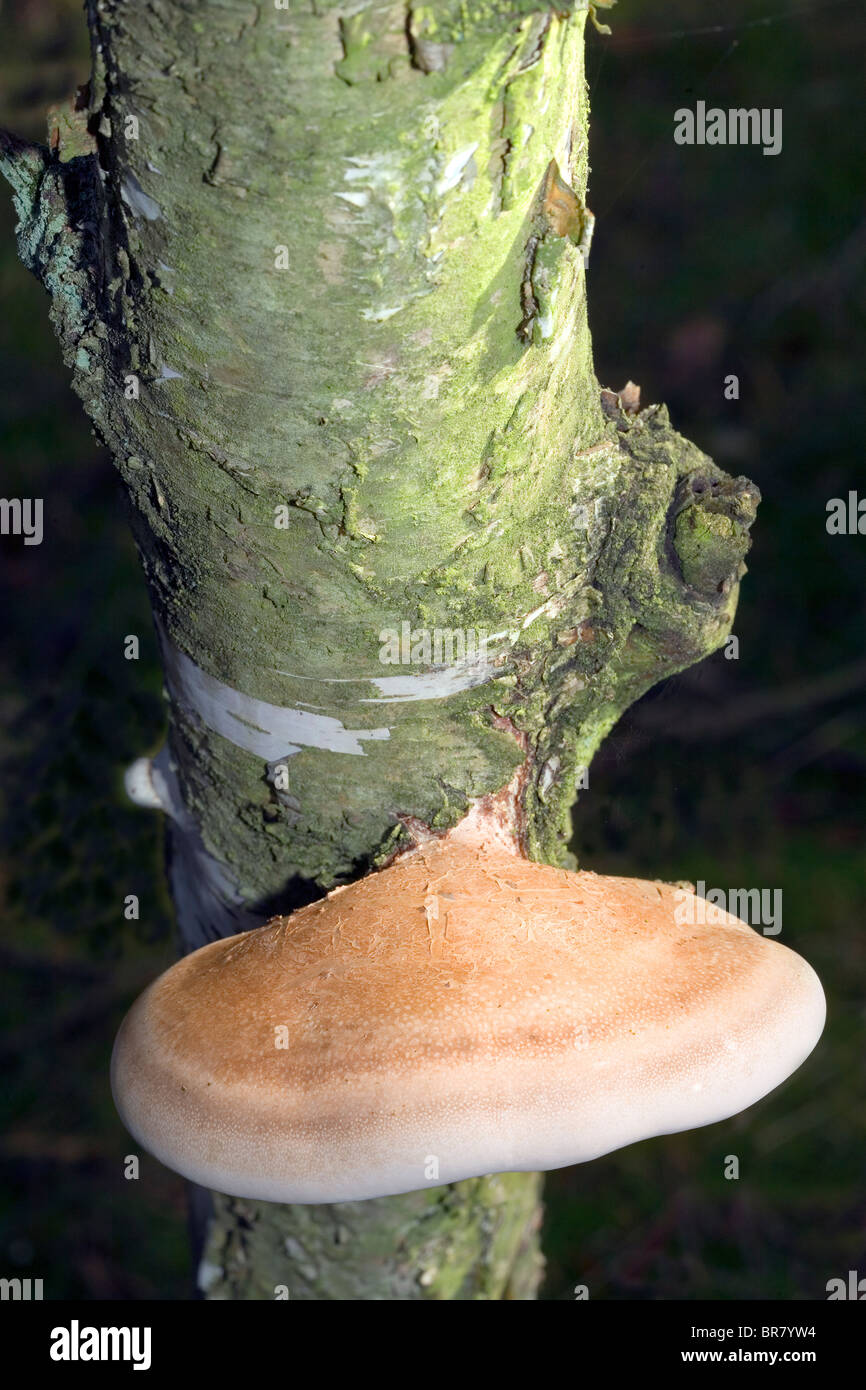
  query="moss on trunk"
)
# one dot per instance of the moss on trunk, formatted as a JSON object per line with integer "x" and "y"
{"x": 470, "y": 1240}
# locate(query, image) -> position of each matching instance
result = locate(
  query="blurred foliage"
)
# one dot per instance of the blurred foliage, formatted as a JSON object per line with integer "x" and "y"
{"x": 749, "y": 772}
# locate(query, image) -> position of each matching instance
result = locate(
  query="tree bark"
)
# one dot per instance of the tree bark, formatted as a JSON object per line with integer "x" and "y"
{"x": 323, "y": 293}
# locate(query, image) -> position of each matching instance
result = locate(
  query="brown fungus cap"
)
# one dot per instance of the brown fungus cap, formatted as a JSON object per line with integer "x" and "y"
{"x": 464, "y": 1011}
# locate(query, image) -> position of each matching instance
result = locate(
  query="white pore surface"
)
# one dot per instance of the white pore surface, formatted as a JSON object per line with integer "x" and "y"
{"x": 522, "y": 1115}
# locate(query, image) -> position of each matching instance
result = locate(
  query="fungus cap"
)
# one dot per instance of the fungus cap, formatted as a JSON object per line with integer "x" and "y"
{"x": 464, "y": 1011}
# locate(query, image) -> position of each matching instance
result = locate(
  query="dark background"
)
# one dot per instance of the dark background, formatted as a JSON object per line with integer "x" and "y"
{"x": 707, "y": 261}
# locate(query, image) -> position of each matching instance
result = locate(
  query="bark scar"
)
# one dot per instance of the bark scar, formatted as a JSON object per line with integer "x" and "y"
{"x": 560, "y": 216}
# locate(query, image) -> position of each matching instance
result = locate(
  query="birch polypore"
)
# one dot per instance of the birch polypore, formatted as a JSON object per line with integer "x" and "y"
{"x": 463, "y": 1011}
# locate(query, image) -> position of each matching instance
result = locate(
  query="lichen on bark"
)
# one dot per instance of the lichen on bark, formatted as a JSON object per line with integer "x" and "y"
{"x": 291, "y": 283}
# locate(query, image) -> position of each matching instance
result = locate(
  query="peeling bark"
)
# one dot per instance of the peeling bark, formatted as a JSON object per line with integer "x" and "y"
{"x": 291, "y": 283}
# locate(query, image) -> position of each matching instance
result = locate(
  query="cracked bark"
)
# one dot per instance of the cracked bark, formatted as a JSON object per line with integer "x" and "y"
{"x": 432, "y": 463}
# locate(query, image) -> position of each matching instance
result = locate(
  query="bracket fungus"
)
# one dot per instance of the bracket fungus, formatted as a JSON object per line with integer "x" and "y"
{"x": 462, "y": 1011}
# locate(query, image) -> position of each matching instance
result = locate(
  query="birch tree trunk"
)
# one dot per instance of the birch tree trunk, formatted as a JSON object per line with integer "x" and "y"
{"x": 322, "y": 292}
